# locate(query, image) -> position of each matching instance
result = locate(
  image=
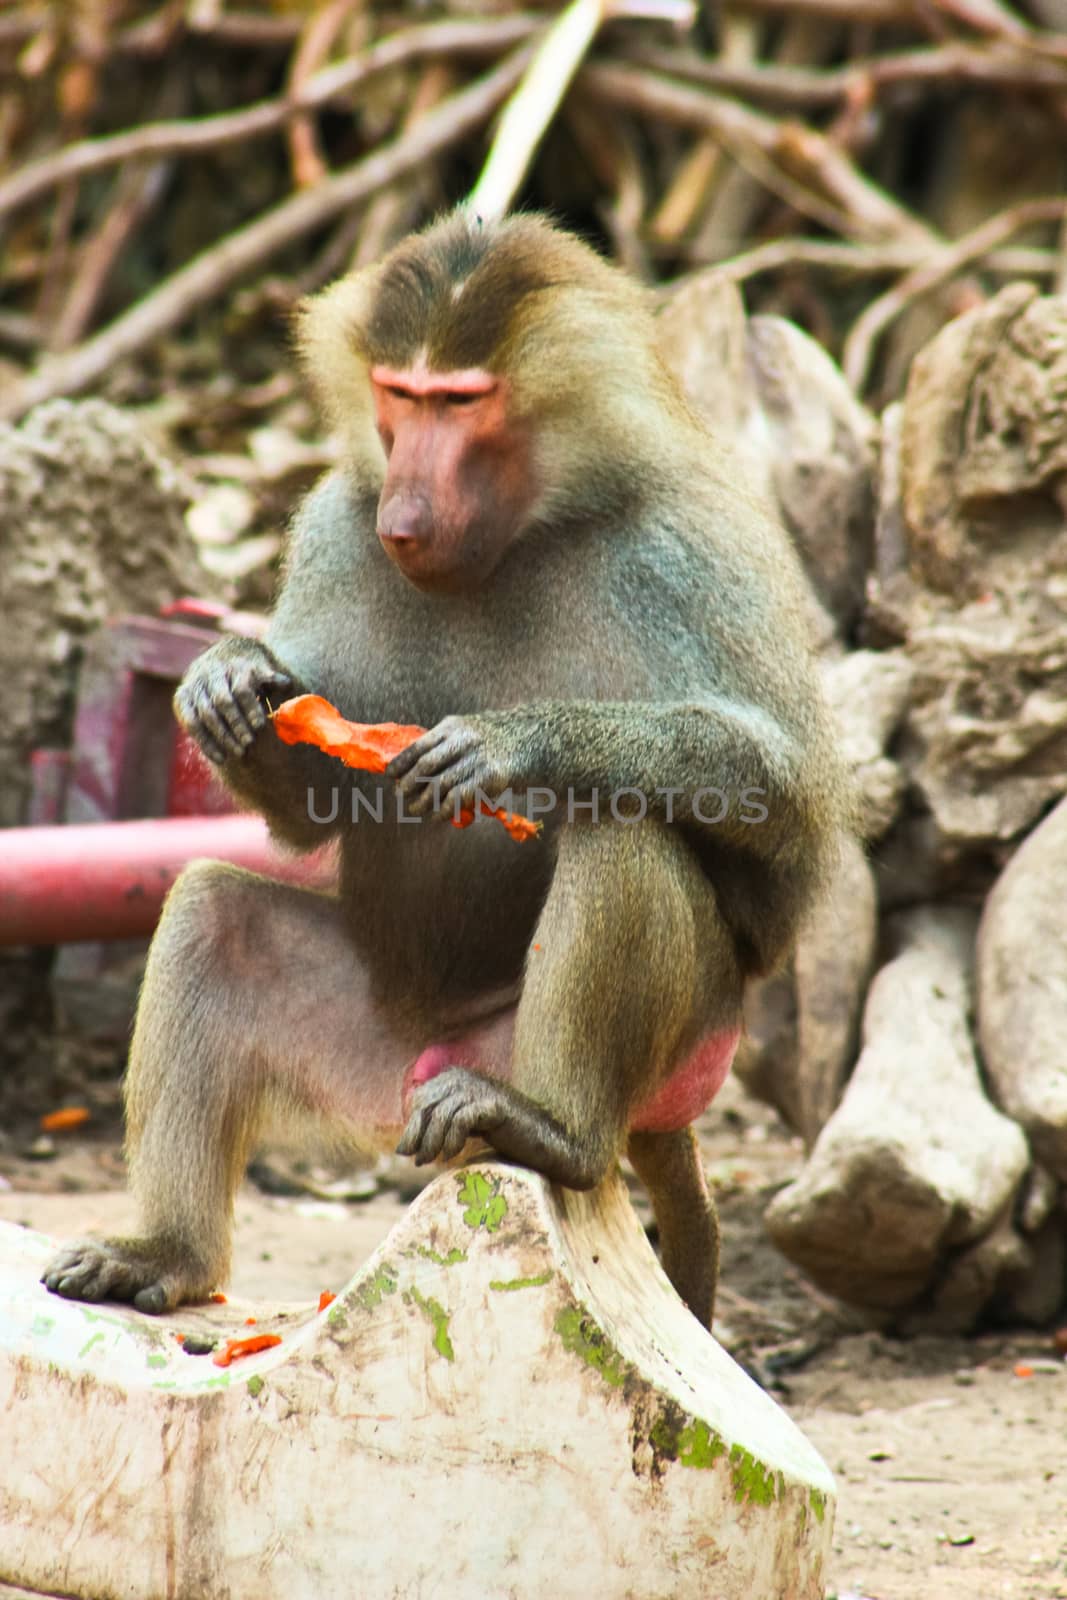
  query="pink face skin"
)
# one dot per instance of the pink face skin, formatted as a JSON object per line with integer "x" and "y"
{"x": 458, "y": 482}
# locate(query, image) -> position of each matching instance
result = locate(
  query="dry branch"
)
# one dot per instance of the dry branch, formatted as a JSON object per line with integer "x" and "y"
{"x": 869, "y": 327}
{"x": 317, "y": 40}
{"x": 999, "y": 66}
{"x": 139, "y": 191}
{"x": 534, "y": 104}
{"x": 391, "y": 213}
{"x": 798, "y": 156}
{"x": 186, "y": 137}
{"x": 217, "y": 268}
{"x": 869, "y": 260}
{"x": 986, "y": 16}
{"x": 856, "y": 13}
{"x": 536, "y": 101}
{"x": 249, "y": 28}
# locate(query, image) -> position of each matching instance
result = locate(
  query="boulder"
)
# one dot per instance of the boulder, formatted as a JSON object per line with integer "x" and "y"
{"x": 93, "y": 519}
{"x": 1022, "y": 990}
{"x": 915, "y": 1163}
{"x": 804, "y": 443}
{"x": 983, "y": 447}
{"x": 834, "y": 961}
{"x": 869, "y": 692}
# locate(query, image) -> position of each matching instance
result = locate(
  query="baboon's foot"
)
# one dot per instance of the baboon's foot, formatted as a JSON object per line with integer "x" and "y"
{"x": 153, "y": 1274}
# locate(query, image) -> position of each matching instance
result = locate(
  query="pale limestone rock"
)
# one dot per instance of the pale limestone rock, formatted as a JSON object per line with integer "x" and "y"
{"x": 915, "y": 1162}
{"x": 1022, "y": 989}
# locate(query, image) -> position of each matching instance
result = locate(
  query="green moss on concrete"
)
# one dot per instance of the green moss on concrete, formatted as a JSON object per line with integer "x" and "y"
{"x": 371, "y": 1293}
{"x": 699, "y": 1447}
{"x": 485, "y": 1206}
{"x": 256, "y": 1385}
{"x": 102, "y": 1316}
{"x": 690, "y": 1442}
{"x": 754, "y": 1483}
{"x": 522, "y": 1283}
{"x": 157, "y": 1361}
{"x": 437, "y": 1316}
{"x": 583, "y": 1338}
{"x": 97, "y": 1338}
{"x": 453, "y": 1258}
{"x": 818, "y": 1503}
{"x": 687, "y": 1440}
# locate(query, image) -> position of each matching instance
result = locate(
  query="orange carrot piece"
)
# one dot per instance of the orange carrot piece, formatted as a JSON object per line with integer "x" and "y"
{"x": 1022, "y": 1370}
{"x": 234, "y": 1349}
{"x": 68, "y": 1117}
{"x": 326, "y": 1299}
{"x": 217, "y": 1298}
{"x": 250, "y": 1322}
{"x": 309, "y": 719}
{"x": 370, "y": 746}
{"x": 180, "y": 1338}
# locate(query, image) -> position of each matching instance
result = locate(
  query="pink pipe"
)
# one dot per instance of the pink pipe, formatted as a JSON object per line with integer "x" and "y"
{"x": 108, "y": 880}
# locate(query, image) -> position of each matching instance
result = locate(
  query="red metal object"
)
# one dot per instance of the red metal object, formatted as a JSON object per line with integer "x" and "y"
{"x": 129, "y": 758}
{"x": 109, "y": 880}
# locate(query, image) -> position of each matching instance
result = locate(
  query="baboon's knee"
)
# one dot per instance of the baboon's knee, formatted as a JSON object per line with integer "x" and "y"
{"x": 215, "y": 916}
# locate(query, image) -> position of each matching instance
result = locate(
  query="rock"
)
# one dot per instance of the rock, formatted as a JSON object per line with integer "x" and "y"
{"x": 915, "y": 1162}
{"x": 821, "y": 444}
{"x": 704, "y": 340}
{"x": 882, "y": 785}
{"x": 868, "y": 692}
{"x": 1037, "y": 1292}
{"x": 93, "y": 520}
{"x": 767, "y": 1061}
{"x": 983, "y": 445}
{"x": 890, "y": 534}
{"x": 1022, "y": 990}
{"x": 801, "y": 1024}
{"x": 805, "y": 444}
{"x": 983, "y": 607}
{"x": 915, "y": 864}
{"x": 1038, "y": 1200}
{"x": 986, "y": 730}
{"x": 972, "y": 1278}
{"x": 833, "y": 965}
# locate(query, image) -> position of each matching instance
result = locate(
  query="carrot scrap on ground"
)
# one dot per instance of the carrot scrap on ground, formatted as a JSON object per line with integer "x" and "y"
{"x": 217, "y": 1299}
{"x": 180, "y": 1338}
{"x": 234, "y": 1349}
{"x": 1021, "y": 1370}
{"x": 68, "y": 1117}
{"x": 326, "y": 1299}
{"x": 370, "y": 746}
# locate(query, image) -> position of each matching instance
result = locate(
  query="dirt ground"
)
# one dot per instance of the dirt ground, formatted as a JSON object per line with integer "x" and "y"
{"x": 951, "y": 1467}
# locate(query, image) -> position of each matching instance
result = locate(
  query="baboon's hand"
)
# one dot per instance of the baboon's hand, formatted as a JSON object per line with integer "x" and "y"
{"x": 459, "y": 760}
{"x": 451, "y": 1108}
{"x": 222, "y": 702}
{"x": 460, "y": 1104}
